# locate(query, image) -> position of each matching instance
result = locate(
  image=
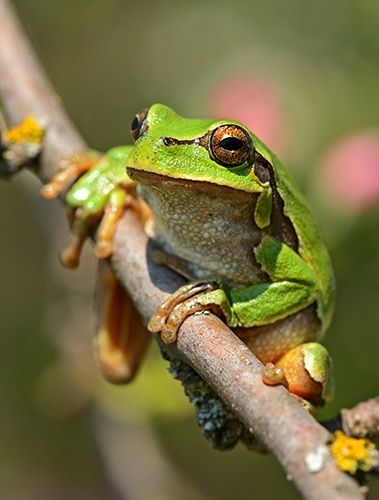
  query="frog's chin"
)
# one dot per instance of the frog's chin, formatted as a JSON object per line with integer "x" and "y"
{"x": 158, "y": 180}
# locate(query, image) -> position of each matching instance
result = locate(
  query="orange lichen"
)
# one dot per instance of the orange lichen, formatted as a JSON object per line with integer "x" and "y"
{"x": 29, "y": 130}
{"x": 352, "y": 454}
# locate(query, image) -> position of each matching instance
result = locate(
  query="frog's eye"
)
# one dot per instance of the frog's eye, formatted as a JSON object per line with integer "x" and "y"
{"x": 139, "y": 124}
{"x": 230, "y": 145}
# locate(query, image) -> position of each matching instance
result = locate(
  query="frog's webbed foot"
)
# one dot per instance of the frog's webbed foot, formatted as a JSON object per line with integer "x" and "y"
{"x": 187, "y": 300}
{"x": 83, "y": 219}
{"x": 305, "y": 371}
{"x": 274, "y": 375}
{"x": 99, "y": 196}
{"x": 80, "y": 222}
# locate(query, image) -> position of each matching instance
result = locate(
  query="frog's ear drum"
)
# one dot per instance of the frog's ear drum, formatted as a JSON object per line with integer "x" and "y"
{"x": 230, "y": 145}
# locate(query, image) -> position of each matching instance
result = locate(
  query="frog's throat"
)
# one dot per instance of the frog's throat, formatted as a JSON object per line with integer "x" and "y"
{"x": 209, "y": 227}
{"x": 154, "y": 179}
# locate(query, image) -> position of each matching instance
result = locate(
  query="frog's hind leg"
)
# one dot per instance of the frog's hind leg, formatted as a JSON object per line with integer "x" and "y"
{"x": 291, "y": 355}
{"x": 308, "y": 371}
{"x": 121, "y": 339}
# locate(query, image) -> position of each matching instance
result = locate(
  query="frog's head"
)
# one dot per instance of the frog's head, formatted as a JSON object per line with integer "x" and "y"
{"x": 221, "y": 152}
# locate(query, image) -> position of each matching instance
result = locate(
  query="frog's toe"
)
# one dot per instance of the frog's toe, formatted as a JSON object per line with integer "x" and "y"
{"x": 70, "y": 256}
{"x": 189, "y": 300}
{"x": 113, "y": 210}
{"x": 198, "y": 303}
{"x": 185, "y": 292}
{"x": 81, "y": 223}
{"x": 273, "y": 375}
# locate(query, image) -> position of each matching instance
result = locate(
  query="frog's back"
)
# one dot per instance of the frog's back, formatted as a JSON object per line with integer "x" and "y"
{"x": 311, "y": 242}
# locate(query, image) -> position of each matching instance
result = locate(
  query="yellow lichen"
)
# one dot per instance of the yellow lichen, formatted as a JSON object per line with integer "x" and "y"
{"x": 29, "y": 130}
{"x": 352, "y": 454}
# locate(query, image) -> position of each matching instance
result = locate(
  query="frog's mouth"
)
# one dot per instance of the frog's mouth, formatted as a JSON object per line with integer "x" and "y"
{"x": 159, "y": 180}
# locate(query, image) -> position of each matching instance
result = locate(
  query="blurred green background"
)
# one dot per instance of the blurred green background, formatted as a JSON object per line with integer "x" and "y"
{"x": 307, "y": 75}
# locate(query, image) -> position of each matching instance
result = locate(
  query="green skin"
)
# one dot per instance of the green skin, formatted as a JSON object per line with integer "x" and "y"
{"x": 297, "y": 279}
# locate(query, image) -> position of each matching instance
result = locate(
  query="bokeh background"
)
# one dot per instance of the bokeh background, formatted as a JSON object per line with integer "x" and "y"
{"x": 305, "y": 77}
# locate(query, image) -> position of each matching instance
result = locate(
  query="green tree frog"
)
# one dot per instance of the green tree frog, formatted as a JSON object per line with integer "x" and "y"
{"x": 227, "y": 216}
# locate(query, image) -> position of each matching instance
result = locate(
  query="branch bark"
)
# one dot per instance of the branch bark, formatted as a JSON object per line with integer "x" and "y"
{"x": 211, "y": 348}
{"x": 360, "y": 421}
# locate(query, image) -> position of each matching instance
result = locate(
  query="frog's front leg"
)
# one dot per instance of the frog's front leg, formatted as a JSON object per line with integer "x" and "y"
{"x": 293, "y": 289}
{"x": 99, "y": 197}
{"x": 304, "y": 368}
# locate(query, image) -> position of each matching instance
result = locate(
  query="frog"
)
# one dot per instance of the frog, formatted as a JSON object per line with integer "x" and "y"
{"x": 226, "y": 215}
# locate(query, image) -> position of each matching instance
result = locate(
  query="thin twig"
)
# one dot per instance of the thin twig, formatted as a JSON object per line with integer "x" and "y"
{"x": 212, "y": 349}
{"x": 361, "y": 421}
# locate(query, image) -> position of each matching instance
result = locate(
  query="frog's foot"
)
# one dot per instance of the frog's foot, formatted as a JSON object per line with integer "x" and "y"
{"x": 121, "y": 339}
{"x": 306, "y": 370}
{"x": 189, "y": 299}
{"x": 99, "y": 196}
{"x": 20, "y": 144}
{"x": 83, "y": 218}
{"x": 69, "y": 171}
{"x": 273, "y": 375}
{"x": 120, "y": 199}
{"x": 80, "y": 223}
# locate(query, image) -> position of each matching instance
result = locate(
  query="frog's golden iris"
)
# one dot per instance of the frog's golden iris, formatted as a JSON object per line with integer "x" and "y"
{"x": 230, "y": 145}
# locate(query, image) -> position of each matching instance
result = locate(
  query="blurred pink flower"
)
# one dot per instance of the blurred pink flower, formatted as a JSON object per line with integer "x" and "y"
{"x": 255, "y": 102}
{"x": 350, "y": 170}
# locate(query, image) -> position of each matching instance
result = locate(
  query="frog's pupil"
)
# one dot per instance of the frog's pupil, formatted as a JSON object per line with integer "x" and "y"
{"x": 231, "y": 143}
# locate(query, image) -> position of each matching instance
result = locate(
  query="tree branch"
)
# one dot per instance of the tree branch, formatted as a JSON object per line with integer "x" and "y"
{"x": 209, "y": 346}
{"x": 361, "y": 421}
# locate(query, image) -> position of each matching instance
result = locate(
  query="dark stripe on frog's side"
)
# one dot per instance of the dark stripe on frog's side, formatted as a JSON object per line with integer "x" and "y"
{"x": 280, "y": 226}
{"x": 311, "y": 245}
